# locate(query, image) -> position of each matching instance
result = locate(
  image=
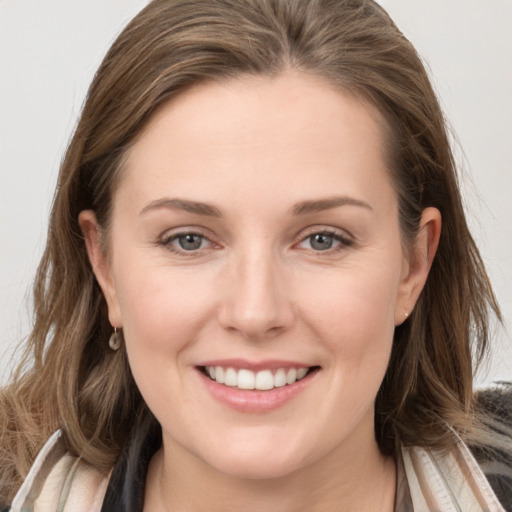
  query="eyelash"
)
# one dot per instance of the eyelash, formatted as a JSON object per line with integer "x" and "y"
{"x": 344, "y": 241}
{"x": 167, "y": 242}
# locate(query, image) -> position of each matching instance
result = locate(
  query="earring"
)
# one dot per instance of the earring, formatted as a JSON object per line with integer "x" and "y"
{"x": 115, "y": 340}
{"x": 406, "y": 314}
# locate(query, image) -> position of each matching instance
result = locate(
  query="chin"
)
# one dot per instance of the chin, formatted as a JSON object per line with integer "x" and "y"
{"x": 257, "y": 458}
{"x": 259, "y": 466}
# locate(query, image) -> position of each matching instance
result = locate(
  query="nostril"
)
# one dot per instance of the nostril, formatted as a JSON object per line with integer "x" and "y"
{"x": 256, "y": 306}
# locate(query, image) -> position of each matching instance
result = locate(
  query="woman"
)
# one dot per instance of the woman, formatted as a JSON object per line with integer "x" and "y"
{"x": 259, "y": 289}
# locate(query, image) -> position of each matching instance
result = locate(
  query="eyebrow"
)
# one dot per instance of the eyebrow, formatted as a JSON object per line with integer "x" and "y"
{"x": 320, "y": 205}
{"x": 301, "y": 208}
{"x": 183, "y": 204}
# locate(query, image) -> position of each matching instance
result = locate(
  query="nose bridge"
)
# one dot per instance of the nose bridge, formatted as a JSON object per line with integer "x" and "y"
{"x": 256, "y": 302}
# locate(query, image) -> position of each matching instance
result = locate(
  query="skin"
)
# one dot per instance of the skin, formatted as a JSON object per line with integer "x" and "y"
{"x": 258, "y": 288}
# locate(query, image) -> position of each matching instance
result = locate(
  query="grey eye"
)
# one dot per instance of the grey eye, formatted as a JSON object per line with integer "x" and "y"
{"x": 190, "y": 242}
{"x": 321, "y": 241}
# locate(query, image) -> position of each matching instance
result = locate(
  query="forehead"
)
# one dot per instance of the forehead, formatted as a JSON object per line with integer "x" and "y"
{"x": 286, "y": 132}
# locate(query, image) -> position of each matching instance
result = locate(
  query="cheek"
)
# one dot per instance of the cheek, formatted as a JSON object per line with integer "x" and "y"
{"x": 353, "y": 313}
{"x": 162, "y": 312}
{"x": 161, "y": 309}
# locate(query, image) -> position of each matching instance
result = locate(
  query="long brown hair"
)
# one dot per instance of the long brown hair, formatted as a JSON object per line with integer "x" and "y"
{"x": 70, "y": 379}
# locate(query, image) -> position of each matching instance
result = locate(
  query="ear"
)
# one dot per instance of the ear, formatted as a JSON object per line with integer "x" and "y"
{"x": 92, "y": 233}
{"x": 417, "y": 263}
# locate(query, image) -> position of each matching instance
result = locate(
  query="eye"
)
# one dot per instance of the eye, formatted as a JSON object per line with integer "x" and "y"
{"x": 185, "y": 242}
{"x": 324, "y": 241}
{"x": 190, "y": 241}
{"x": 321, "y": 241}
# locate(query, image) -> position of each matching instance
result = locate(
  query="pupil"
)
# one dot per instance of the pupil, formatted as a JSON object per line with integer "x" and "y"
{"x": 321, "y": 242}
{"x": 190, "y": 242}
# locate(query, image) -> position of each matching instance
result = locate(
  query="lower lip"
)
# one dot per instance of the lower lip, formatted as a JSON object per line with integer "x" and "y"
{"x": 255, "y": 401}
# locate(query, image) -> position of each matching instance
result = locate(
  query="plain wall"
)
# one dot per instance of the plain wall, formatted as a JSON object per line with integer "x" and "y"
{"x": 49, "y": 50}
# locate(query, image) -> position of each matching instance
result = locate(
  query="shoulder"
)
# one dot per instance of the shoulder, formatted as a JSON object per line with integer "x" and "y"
{"x": 495, "y": 407}
{"x": 60, "y": 481}
{"x": 497, "y": 400}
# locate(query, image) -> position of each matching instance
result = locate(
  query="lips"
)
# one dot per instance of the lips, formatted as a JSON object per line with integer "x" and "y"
{"x": 256, "y": 387}
{"x": 262, "y": 380}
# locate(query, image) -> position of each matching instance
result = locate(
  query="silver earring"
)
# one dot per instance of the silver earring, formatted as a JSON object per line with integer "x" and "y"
{"x": 115, "y": 340}
{"x": 406, "y": 314}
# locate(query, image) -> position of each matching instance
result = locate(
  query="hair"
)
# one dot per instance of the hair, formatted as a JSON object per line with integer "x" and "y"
{"x": 69, "y": 378}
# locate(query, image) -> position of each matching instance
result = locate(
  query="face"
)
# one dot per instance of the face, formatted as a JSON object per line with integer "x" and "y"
{"x": 257, "y": 271}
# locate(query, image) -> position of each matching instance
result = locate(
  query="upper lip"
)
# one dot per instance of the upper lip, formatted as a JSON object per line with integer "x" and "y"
{"x": 269, "y": 364}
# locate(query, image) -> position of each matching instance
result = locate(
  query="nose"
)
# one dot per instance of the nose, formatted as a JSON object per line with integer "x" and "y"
{"x": 255, "y": 302}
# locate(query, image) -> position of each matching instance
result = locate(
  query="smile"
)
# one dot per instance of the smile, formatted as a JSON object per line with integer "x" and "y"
{"x": 250, "y": 387}
{"x": 263, "y": 380}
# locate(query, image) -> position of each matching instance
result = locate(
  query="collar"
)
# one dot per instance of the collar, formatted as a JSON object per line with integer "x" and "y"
{"x": 427, "y": 480}
{"x": 448, "y": 482}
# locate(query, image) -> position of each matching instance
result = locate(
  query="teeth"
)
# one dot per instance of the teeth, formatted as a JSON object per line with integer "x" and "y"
{"x": 263, "y": 380}
{"x": 246, "y": 379}
{"x": 219, "y": 374}
{"x": 280, "y": 378}
{"x": 231, "y": 377}
{"x": 301, "y": 373}
{"x": 291, "y": 376}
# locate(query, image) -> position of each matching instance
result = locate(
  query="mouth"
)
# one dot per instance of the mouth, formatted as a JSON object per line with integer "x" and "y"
{"x": 262, "y": 380}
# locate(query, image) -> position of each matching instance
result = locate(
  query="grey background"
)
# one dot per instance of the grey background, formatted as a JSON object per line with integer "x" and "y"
{"x": 49, "y": 50}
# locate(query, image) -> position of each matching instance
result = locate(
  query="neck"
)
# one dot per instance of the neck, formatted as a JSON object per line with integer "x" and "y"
{"x": 362, "y": 480}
